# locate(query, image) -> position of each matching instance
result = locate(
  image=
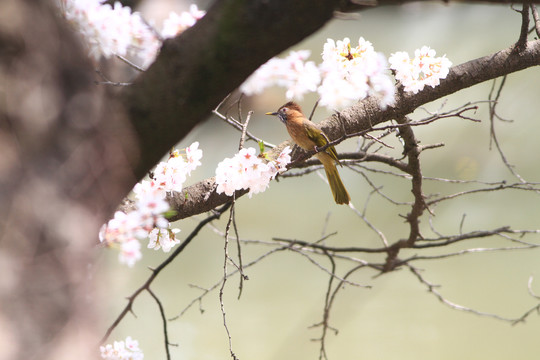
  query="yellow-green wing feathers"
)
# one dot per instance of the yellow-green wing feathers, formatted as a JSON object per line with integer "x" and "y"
{"x": 319, "y": 138}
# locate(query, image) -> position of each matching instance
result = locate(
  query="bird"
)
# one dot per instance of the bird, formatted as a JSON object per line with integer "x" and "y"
{"x": 309, "y": 137}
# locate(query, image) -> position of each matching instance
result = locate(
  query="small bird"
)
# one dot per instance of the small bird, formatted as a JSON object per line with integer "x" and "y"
{"x": 309, "y": 137}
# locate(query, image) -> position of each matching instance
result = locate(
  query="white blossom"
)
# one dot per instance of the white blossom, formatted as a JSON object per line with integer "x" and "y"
{"x": 125, "y": 230}
{"x": 120, "y": 350}
{"x": 163, "y": 239}
{"x": 248, "y": 171}
{"x": 353, "y": 73}
{"x": 293, "y": 72}
{"x": 424, "y": 69}
{"x": 116, "y": 30}
{"x": 176, "y": 24}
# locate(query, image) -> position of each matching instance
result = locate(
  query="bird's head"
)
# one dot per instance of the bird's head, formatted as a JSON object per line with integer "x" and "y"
{"x": 287, "y": 111}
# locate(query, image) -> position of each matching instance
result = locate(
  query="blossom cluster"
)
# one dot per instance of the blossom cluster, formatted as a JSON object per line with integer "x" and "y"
{"x": 120, "y": 350}
{"x": 346, "y": 75}
{"x": 353, "y": 73}
{"x": 246, "y": 170}
{"x": 171, "y": 175}
{"x": 424, "y": 69}
{"x": 176, "y": 24}
{"x": 116, "y": 30}
{"x": 125, "y": 230}
{"x": 293, "y": 72}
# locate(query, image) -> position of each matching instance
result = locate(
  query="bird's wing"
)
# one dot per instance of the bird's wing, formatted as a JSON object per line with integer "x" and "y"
{"x": 320, "y": 139}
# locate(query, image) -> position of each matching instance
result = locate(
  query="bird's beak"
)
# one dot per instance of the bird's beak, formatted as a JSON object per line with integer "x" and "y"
{"x": 271, "y": 113}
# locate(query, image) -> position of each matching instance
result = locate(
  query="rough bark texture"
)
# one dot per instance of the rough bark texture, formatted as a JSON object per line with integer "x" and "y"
{"x": 196, "y": 70}
{"x": 368, "y": 113}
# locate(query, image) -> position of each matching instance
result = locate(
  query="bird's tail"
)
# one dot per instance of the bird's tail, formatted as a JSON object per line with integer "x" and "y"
{"x": 341, "y": 196}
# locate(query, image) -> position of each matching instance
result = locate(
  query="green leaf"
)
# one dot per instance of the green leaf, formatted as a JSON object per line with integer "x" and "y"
{"x": 169, "y": 213}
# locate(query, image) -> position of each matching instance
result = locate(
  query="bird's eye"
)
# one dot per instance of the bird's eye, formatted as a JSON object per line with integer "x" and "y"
{"x": 283, "y": 110}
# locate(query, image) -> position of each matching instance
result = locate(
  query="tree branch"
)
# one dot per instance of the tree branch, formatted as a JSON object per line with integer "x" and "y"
{"x": 156, "y": 271}
{"x": 196, "y": 70}
{"x": 201, "y": 197}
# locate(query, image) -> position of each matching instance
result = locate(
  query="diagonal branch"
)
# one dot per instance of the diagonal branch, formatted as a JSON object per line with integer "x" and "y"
{"x": 156, "y": 271}
{"x": 433, "y": 290}
{"x": 524, "y": 26}
{"x": 361, "y": 117}
{"x": 197, "y": 69}
{"x": 164, "y": 320}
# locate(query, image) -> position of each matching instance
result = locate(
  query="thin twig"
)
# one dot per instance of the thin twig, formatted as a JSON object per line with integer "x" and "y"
{"x": 362, "y": 216}
{"x": 536, "y": 20}
{"x": 126, "y": 61}
{"x": 444, "y": 241}
{"x": 314, "y": 108}
{"x": 237, "y": 125}
{"x": 164, "y": 320}
{"x": 467, "y": 251}
{"x": 244, "y": 130}
{"x": 378, "y": 141}
{"x": 220, "y": 282}
{"x": 493, "y": 138}
{"x": 240, "y": 262}
{"x": 522, "y": 41}
{"x": 106, "y": 81}
{"x": 432, "y": 289}
{"x": 156, "y": 271}
{"x": 515, "y": 186}
{"x": 327, "y": 271}
{"x": 529, "y": 288}
{"x": 379, "y": 188}
{"x": 329, "y": 301}
{"x": 227, "y": 258}
{"x": 326, "y": 311}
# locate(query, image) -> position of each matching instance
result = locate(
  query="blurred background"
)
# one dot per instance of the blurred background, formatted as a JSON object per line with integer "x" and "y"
{"x": 396, "y": 317}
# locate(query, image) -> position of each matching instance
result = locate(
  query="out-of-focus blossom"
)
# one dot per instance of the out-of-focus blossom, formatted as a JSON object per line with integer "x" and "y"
{"x": 293, "y": 72}
{"x": 176, "y": 24}
{"x": 120, "y": 350}
{"x": 116, "y": 30}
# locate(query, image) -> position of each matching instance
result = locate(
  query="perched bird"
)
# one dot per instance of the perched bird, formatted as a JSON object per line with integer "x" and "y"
{"x": 309, "y": 137}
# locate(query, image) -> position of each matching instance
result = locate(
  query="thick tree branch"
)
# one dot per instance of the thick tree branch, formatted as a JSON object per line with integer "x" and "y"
{"x": 201, "y": 197}
{"x": 196, "y": 70}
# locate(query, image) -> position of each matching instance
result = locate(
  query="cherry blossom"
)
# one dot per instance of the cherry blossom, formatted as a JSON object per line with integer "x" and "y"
{"x": 424, "y": 69}
{"x": 125, "y": 230}
{"x": 176, "y": 24}
{"x": 352, "y": 73}
{"x": 163, "y": 239}
{"x": 246, "y": 171}
{"x": 116, "y": 30}
{"x": 120, "y": 350}
{"x": 293, "y": 72}
{"x": 346, "y": 75}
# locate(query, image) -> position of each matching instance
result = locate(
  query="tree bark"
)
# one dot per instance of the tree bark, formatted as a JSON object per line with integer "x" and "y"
{"x": 202, "y": 197}
{"x": 195, "y": 71}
